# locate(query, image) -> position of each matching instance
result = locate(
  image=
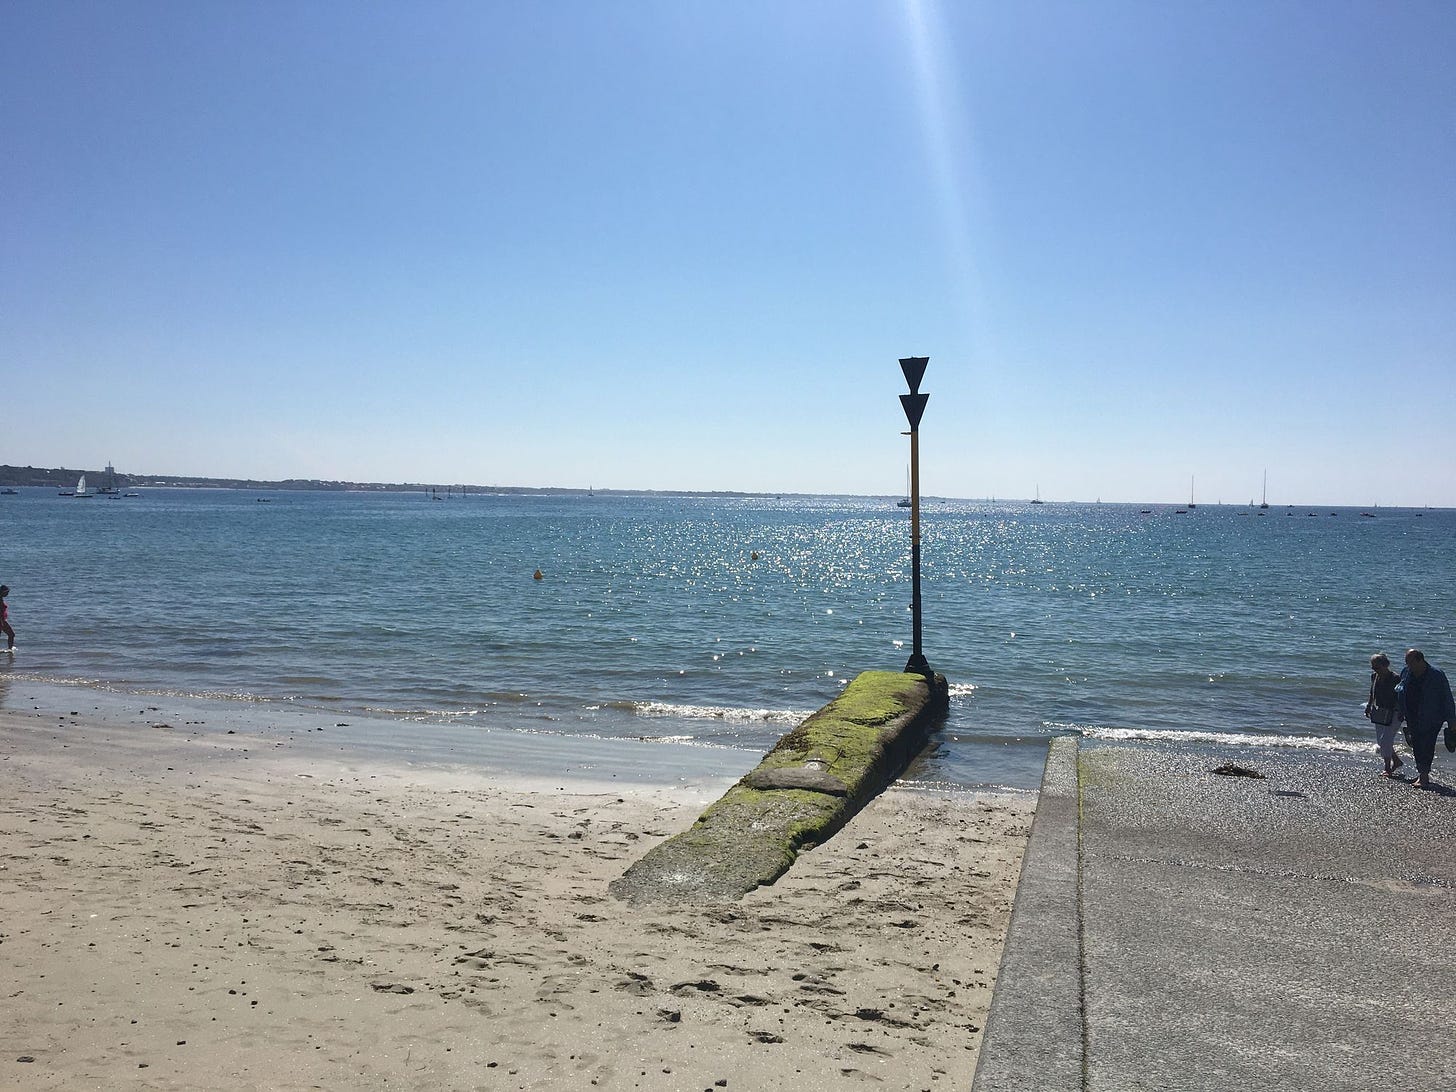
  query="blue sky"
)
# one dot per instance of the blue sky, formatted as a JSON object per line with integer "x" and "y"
{"x": 680, "y": 245}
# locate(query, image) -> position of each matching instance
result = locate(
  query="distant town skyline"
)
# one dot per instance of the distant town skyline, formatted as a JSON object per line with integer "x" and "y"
{"x": 1150, "y": 250}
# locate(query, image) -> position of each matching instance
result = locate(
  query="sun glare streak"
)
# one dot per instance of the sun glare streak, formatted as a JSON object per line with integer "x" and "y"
{"x": 948, "y": 152}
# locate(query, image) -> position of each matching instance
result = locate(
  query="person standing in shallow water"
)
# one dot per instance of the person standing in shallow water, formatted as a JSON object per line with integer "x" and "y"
{"x": 1381, "y": 711}
{"x": 5, "y": 619}
{"x": 1423, "y": 697}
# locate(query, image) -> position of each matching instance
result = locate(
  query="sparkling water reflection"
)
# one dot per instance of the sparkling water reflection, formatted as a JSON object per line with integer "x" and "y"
{"x": 655, "y": 619}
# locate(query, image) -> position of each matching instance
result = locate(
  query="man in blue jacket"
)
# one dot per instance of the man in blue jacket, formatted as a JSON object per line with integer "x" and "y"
{"x": 1423, "y": 696}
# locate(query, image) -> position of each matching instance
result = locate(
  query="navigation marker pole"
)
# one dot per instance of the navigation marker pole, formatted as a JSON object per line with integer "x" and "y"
{"x": 914, "y": 405}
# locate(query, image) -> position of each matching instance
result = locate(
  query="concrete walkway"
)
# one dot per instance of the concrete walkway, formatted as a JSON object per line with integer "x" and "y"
{"x": 1177, "y": 929}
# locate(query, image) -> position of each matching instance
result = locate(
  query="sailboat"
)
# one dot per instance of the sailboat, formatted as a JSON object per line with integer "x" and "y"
{"x": 1037, "y": 499}
{"x": 1191, "y": 505}
{"x": 109, "y": 489}
{"x": 906, "y": 502}
{"x": 81, "y": 493}
{"x": 1264, "y": 499}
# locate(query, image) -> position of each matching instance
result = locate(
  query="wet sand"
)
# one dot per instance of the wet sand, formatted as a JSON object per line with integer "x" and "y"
{"x": 193, "y": 906}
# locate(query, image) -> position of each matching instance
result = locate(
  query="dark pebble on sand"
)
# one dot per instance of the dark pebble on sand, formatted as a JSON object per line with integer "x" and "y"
{"x": 1229, "y": 769}
{"x": 25, "y": 1058}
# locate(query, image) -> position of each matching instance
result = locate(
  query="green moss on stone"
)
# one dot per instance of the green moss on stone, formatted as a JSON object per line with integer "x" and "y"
{"x": 752, "y": 835}
{"x": 790, "y": 815}
{"x": 846, "y": 734}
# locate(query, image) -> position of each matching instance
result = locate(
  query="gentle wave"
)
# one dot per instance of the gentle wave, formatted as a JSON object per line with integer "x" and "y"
{"x": 718, "y": 712}
{"x": 571, "y": 733}
{"x": 107, "y": 687}
{"x": 421, "y": 714}
{"x": 1228, "y": 739}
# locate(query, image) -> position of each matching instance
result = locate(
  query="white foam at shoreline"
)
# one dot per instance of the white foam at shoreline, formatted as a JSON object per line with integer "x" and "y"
{"x": 719, "y": 712}
{"x": 1229, "y": 739}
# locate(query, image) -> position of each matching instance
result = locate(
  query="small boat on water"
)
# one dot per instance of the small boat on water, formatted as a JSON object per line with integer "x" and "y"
{"x": 1037, "y": 499}
{"x": 80, "y": 493}
{"x": 8, "y": 493}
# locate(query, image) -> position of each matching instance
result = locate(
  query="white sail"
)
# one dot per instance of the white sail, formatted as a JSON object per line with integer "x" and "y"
{"x": 81, "y": 485}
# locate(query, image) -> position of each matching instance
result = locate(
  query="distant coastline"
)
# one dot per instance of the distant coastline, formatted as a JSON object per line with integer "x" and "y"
{"x": 65, "y": 478}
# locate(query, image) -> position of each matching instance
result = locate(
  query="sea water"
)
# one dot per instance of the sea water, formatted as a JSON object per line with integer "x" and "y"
{"x": 722, "y": 621}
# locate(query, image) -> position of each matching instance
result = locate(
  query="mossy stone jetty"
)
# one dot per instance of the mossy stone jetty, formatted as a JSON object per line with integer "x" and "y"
{"x": 806, "y": 788}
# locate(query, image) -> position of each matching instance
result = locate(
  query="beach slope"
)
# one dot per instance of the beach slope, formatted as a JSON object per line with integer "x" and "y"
{"x": 187, "y": 907}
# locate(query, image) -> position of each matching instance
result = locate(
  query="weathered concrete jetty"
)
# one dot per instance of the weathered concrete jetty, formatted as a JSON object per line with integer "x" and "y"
{"x": 807, "y": 787}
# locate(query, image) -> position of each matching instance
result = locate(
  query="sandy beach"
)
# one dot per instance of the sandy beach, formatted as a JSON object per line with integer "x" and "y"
{"x": 192, "y": 906}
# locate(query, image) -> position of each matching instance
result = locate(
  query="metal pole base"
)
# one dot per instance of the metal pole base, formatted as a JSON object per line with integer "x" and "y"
{"x": 917, "y": 665}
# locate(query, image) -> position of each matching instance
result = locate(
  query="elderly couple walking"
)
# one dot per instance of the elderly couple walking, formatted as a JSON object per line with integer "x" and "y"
{"x": 1421, "y": 698}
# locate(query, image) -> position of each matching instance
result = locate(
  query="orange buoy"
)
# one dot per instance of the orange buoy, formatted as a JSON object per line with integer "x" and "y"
{"x": 538, "y": 575}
